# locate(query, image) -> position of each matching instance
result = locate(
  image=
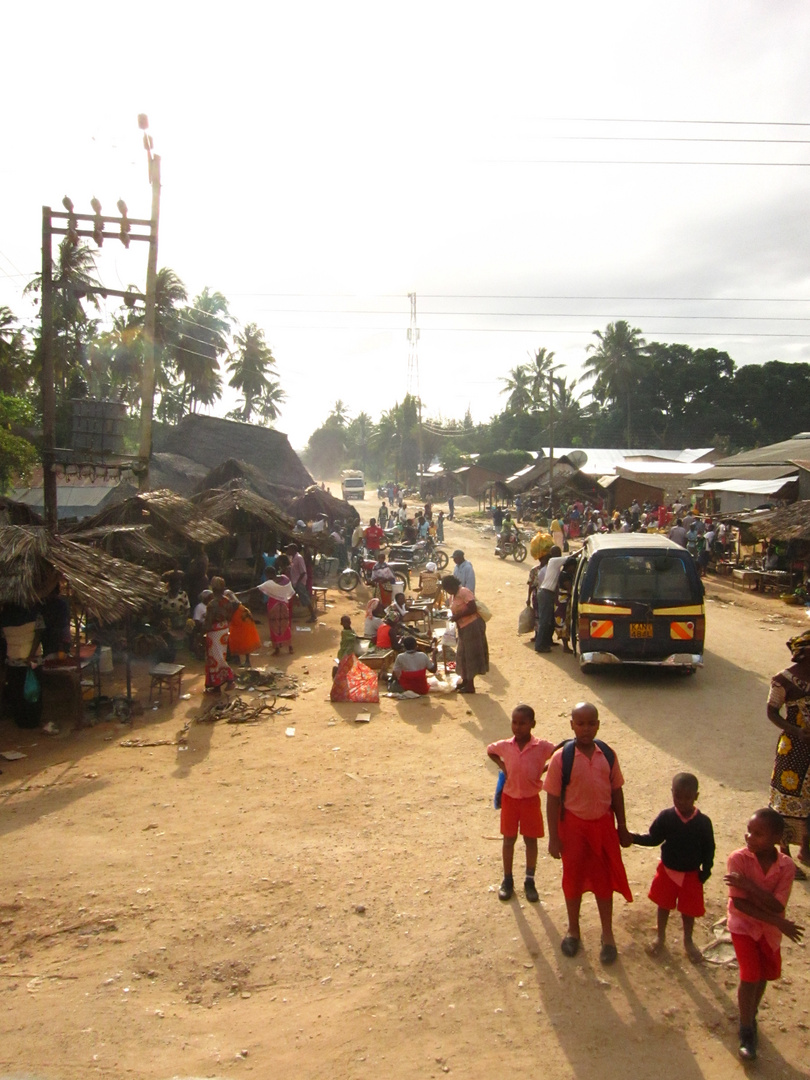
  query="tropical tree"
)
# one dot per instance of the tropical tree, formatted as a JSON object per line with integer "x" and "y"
{"x": 360, "y": 433}
{"x": 541, "y": 369}
{"x": 204, "y": 325}
{"x": 73, "y": 329}
{"x": 340, "y": 414}
{"x": 17, "y": 455}
{"x": 618, "y": 360}
{"x": 518, "y": 385}
{"x": 250, "y": 367}
{"x": 15, "y": 362}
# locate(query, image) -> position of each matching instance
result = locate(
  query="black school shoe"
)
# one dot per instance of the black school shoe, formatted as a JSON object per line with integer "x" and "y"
{"x": 530, "y": 890}
{"x": 748, "y": 1043}
{"x": 507, "y": 888}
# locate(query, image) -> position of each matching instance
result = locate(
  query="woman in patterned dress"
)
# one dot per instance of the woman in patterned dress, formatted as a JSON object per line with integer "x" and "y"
{"x": 790, "y": 781}
{"x": 218, "y": 615}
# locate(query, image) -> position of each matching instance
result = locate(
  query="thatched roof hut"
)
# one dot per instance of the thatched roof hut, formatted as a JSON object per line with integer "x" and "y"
{"x": 106, "y": 588}
{"x": 789, "y": 523}
{"x": 210, "y": 440}
{"x": 173, "y": 519}
{"x": 234, "y": 505}
{"x": 17, "y": 513}
{"x": 239, "y": 474}
{"x": 316, "y": 501}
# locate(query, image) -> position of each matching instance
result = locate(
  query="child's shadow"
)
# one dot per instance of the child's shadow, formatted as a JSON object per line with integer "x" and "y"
{"x": 576, "y": 1001}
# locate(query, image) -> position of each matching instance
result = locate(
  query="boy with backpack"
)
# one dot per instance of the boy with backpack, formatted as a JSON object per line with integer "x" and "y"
{"x": 587, "y": 826}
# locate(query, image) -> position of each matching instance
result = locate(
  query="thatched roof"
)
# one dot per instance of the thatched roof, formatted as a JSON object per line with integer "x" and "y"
{"x": 17, "y": 513}
{"x": 316, "y": 501}
{"x": 223, "y": 504}
{"x": 106, "y": 588}
{"x": 240, "y": 474}
{"x": 133, "y": 543}
{"x": 790, "y": 523}
{"x": 169, "y": 514}
{"x": 210, "y": 440}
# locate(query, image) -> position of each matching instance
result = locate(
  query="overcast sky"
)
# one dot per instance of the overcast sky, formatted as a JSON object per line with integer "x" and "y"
{"x": 531, "y": 170}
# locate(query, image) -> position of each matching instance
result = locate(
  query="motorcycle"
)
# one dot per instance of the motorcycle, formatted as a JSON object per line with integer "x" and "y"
{"x": 420, "y": 553}
{"x": 360, "y": 570}
{"x": 511, "y": 545}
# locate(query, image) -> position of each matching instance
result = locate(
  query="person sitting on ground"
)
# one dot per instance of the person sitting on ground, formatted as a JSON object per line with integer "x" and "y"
{"x": 411, "y": 667}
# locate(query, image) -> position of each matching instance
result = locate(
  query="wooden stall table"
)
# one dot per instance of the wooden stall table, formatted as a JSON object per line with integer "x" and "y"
{"x": 319, "y": 596}
{"x": 744, "y": 578}
{"x": 84, "y": 674}
{"x": 166, "y": 675}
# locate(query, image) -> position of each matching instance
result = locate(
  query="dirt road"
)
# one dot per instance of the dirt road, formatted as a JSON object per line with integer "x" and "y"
{"x": 324, "y": 905}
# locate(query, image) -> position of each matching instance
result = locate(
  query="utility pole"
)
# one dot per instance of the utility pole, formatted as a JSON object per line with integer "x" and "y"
{"x": 47, "y": 383}
{"x": 551, "y": 438}
{"x": 148, "y": 374}
{"x": 71, "y": 229}
{"x": 413, "y": 374}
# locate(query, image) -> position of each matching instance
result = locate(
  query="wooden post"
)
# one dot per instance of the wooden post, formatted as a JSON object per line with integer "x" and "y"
{"x": 148, "y": 374}
{"x": 47, "y": 377}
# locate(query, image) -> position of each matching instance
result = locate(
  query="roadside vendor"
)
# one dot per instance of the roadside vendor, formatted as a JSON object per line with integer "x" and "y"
{"x": 22, "y": 629}
{"x": 411, "y": 668}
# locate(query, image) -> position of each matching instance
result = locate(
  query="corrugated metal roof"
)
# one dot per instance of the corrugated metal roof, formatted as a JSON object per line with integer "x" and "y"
{"x": 749, "y": 472}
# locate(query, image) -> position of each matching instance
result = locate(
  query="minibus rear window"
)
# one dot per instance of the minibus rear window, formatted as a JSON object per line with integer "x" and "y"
{"x": 643, "y": 577}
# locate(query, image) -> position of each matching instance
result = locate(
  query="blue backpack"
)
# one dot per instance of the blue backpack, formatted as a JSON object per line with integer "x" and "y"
{"x": 568, "y": 765}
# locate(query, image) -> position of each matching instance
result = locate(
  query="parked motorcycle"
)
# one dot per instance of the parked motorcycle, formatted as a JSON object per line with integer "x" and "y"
{"x": 417, "y": 555}
{"x": 510, "y": 545}
{"x": 360, "y": 570}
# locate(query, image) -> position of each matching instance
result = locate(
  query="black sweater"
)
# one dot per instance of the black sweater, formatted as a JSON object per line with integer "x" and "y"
{"x": 688, "y": 845}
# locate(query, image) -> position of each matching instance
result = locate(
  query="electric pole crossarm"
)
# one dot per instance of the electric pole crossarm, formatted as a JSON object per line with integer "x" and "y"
{"x": 65, "y": 216}
{"x": 94, "y": 236}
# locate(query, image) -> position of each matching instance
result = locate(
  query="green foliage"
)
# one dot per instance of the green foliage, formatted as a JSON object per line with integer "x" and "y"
{"x": 251, "y": 367}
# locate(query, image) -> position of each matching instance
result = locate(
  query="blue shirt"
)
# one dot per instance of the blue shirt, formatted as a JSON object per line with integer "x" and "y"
{"x": 465, "y": 574}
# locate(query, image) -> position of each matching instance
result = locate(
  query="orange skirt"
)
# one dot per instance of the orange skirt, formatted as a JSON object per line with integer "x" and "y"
{"x": 244, "y": 637}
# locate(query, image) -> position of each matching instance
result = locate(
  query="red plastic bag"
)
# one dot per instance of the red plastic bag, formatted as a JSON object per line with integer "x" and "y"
{"x": 354, "y": 681}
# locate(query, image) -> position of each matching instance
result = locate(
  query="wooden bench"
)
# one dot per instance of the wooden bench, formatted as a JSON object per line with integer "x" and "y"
{"x": 168, "y": 675}
{"x": 745, "y": 578}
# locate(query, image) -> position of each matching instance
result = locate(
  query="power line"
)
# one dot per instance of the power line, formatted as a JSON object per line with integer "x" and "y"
{"x": 648, "y": 120}
{"x": 628, "y": 161}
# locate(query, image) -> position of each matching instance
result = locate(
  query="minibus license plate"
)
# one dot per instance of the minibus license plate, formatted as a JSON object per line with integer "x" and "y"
{"x": 641, "y": 629}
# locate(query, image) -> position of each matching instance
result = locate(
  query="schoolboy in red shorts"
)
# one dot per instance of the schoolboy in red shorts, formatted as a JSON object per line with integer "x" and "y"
{"x": 522, "y": 759}
{"x": 759, "y": 878}
{"x": 586, "y": 826}
{"x": 686, "y": 863}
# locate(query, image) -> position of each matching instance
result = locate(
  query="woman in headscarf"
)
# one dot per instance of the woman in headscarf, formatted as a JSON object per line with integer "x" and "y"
{"x": 243, "y": 635}
{"x": 472, "y": 657}
{"x": 218, "y": 615}
{"x": 790, "y": 781}
{"x": 280, "y": 595}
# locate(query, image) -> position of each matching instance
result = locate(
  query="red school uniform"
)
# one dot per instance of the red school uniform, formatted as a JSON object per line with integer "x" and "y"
{"x": 757, "y": 944}
{"x": 520, "y": 801}
{"x": 591, "y": 853}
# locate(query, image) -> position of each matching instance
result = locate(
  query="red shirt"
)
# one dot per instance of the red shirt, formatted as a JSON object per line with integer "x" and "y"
{"x": 777, "y": 881}
{"x": 373, "y": 536}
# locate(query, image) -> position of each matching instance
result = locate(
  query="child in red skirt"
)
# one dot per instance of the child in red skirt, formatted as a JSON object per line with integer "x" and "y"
{"x": 522, "y": 759}
{"x": 686, "y": 863}
{"x": 586, "y": 826}
{"x": 759, "y": 879}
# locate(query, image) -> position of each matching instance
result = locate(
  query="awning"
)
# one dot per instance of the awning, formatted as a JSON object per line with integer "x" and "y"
{"x": 748, "y": 487}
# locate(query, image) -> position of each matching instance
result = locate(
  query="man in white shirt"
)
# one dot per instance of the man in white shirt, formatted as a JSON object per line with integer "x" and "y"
{"x": 546, "y": 596}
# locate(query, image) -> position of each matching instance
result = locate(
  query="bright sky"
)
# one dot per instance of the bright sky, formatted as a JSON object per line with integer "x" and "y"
{"x": 531, "y": 170}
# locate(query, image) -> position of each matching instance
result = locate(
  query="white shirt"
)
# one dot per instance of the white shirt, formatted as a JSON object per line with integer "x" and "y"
{"x": 552, "y": 575}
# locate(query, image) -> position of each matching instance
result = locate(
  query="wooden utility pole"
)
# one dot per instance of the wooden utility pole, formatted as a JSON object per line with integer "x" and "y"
{"x": 551, "y": 437}
{"x": 148, "y": 374}
{"x": 47, "y": 378}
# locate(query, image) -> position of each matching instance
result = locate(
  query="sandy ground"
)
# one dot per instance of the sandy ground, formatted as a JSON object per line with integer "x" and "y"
{"x": 324, "y": 905}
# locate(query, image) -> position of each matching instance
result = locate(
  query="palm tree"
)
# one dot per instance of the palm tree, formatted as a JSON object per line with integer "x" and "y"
{"x": 519, "y": 388}
{"x": 361, "y": 431}
{"x": 72, "y": 329}
{"x": 250, "y": 367}
{"x": 541, "y": 369}
{"x": 339, "y": 414}
{"x": 204, "y": 325}
{"x": 617, "y": 360}
{"x": 15, "y": 366}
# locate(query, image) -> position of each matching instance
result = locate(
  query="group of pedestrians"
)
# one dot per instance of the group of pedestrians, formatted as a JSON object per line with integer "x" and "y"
{"x": 587, "y": 828}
